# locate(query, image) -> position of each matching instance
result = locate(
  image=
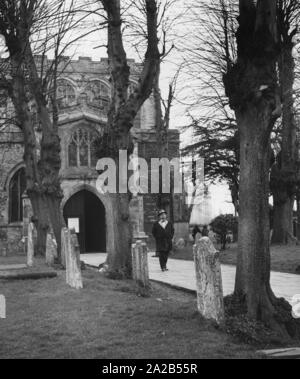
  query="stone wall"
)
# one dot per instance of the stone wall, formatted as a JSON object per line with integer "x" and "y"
{"x": 11, "y": 160}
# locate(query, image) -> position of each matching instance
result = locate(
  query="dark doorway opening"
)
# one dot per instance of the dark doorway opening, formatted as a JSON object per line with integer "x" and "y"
{"x": 86, "y": 213}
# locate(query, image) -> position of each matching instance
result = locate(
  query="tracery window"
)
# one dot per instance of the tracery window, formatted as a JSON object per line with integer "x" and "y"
{"x": 17, "y": 187}
{"x": 66, "y": 95}
{"x": 81, "y": 149}
{"x": 98, "y": 94}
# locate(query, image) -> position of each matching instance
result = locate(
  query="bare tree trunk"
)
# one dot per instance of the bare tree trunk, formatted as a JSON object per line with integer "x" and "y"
{"x": 234, "y": 191}
{"x": 119, "y": 260}
{"x": 283, "y": 220}
{"x": 40, "y": 220}
{"x": 33, "y": 181}
{"x": 253, "y": 269}
{"x": 254, "y": 253}
{"x": 50, "y": 161}
{"x": 19, "y": 21}
{"x": 251, "y": 85}
{"x": 56, "y": 219}
{"x": 123, "y": 110}
{"x": 284, "y": 175}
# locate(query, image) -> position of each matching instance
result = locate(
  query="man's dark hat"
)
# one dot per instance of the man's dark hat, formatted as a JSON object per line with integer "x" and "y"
{"x": 162, "y": 211}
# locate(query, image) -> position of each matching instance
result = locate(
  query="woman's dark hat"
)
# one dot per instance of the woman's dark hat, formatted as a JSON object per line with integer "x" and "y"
{"x": 162, "y": 211}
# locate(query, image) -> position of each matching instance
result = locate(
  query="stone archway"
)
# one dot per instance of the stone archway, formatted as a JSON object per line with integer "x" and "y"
{"x": 85, "y": 211}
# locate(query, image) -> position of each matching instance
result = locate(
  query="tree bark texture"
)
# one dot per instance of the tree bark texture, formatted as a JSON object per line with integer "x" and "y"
{"x": 42, "y": 167}
{"x": 252, "y": 87}
{"x": 285, "y": 176}
{"x": 123, "y": 110}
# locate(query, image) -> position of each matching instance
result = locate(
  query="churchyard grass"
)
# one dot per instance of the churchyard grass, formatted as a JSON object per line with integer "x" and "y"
{"x": 48, "y": 319}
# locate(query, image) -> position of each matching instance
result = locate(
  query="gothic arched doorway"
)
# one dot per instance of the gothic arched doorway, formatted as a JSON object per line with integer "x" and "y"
{"x": 86, "y": 213}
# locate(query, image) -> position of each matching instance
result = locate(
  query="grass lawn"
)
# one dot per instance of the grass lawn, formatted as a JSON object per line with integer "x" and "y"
{"x": 283, "y": 258}
{"x": 48, "y": 319}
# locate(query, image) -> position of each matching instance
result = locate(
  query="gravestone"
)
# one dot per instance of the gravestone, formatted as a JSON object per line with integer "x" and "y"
{"x": 30, "y": 244}
{"x": 2, "y": 307}
{"x": 209, "y": 281}
{"x": 140, "y": 269}
{"x": 51, "y": 249}
{"x": 71, "y": 252}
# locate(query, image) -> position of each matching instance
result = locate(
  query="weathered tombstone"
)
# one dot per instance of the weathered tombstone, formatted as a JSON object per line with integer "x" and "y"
{"x": 51, "y": 250}
{"x": 63, "y": 248}
{"x": 135, "y": 259}
{"x": 140, "y": 267}
{"x": 209, "y": 281}
{"x": 2, "y": 307}
{"x": 64, "y": 245}
{"x": 75, "y": 277}
{"x": 30, "y": 244}
{"x": 71, "y": 251}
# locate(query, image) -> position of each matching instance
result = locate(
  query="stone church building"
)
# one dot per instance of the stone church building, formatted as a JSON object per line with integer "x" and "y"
{"x": 84, "y": 96}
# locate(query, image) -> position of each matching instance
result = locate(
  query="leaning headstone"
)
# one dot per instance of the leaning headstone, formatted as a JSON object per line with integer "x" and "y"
{"x": 140, "y": 269}
{"x": 75, "y": 276}
{"x": 2, "y": 307}
{"x": 64, "y": 245}
{"x": 51, "y": 250}
{"x": 63, "y": 248}
{"x": 209, "y": 281}
{"x": 30, "y": 245}
{"x": 71, "y": 251}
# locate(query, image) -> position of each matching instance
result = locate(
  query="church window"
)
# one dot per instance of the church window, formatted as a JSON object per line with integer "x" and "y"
{"x": 81, "y": 149}
{"x": 98, "y": 94}
{"x": 65, "y": 94}
{"x": 17, "y": 187}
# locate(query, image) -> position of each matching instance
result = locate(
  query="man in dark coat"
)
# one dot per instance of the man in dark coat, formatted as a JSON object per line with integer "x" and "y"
{"x": 163, "y": 232}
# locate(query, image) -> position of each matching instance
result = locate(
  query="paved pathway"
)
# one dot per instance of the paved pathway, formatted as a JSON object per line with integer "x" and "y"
{"x": 182, "y": 274}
